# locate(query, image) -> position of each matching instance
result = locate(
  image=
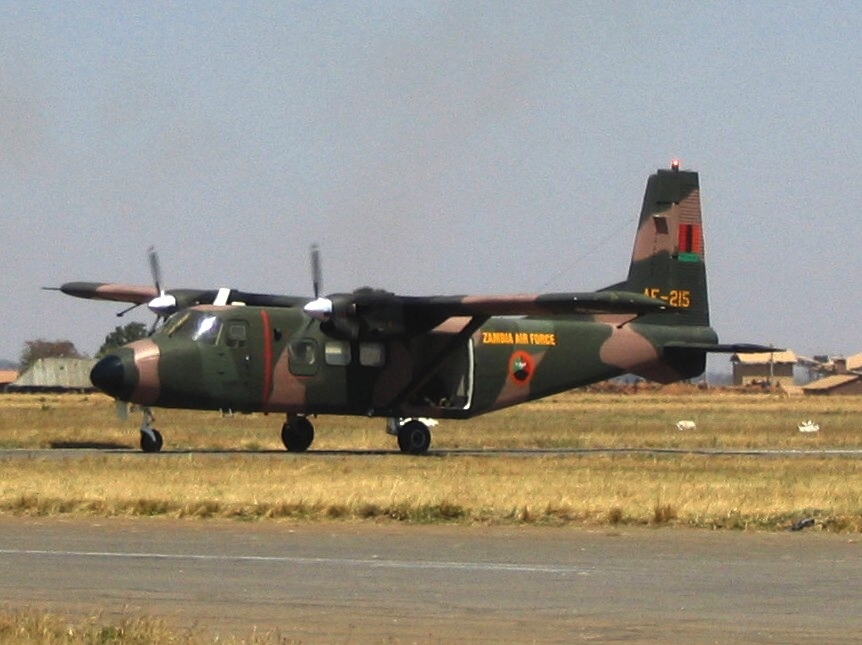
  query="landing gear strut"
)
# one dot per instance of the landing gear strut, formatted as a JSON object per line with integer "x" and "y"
{"x": 297, "y": 433}
{"x": 151, "y": 439}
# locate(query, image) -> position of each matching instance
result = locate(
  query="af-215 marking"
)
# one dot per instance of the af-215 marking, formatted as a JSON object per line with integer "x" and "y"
{"x": 680, "y": 298}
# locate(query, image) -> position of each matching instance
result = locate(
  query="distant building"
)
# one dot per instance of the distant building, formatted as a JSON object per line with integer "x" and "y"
{"x": 837, "y": 384}
{"x": 823, "y": 365}
{"x": 7, "y": 377}
{"x": 774, "y": 368}
{"x": 845, "y": 364}
{"x": 55, "y": 375}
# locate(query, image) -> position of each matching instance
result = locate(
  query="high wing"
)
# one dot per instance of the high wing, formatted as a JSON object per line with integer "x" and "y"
{"x": 110, "y": 291}
{"x": 547, "y": 304}
{"x": 163, "y": 302}
{"x": 371, "y": 313}
{"x": 139, "y": 295}
{"x": 378, "y": 303}
{"x": 380, "y": 314}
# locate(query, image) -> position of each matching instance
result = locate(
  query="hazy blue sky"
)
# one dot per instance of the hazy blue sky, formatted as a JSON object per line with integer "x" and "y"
{"x": 464, "y": 147}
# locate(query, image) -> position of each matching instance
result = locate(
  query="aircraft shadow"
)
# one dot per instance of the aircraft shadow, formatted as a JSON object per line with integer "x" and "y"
{"x": 88, "y": 445}
{"x": 515, "y": 452}
{"x": 448, "y": 452}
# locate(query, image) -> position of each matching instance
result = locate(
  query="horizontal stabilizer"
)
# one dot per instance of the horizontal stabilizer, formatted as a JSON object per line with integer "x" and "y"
{"x": 717, "y": 348}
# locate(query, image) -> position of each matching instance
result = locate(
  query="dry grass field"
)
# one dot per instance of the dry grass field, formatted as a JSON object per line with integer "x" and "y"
{"x": 30, "y": 627}
{"x": 216, "y": 466}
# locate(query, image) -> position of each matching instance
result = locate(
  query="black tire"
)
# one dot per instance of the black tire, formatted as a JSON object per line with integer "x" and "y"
{"x": 297, "y": 434}
{"x": 414, "y": 438}
{"x": 150, "y": 445}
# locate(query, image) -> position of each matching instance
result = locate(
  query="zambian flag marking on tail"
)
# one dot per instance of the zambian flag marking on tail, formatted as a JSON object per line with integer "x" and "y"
{"x": 690, "y": 243}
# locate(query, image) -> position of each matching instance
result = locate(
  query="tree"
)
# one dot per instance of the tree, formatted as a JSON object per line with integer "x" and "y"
{"x": 41, "y": 348}
{"x": 121, "y": 336}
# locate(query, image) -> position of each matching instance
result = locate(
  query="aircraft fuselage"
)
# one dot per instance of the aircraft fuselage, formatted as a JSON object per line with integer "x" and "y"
{"x": 272, "y": 360}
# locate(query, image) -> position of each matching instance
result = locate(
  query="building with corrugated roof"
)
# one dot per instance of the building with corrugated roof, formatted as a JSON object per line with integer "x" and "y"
{"x": 837, "y": 384}
{"x": 844, "y": 364}
{"x": 775, "y": 368}
{"x": 7, "y": 377}
{"x": 823, "y": 365}
{"x": 55, "y": 375}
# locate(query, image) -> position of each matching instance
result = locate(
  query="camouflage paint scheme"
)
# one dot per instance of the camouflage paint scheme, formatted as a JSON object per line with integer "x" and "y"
{"x": 404, "y": 357}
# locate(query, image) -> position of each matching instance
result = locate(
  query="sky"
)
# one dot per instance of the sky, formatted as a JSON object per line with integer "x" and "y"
{"x": 428, "y": 148}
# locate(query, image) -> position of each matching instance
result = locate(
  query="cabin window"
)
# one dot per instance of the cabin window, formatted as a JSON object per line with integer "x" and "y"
{"x": 304, "y": 352}
{"x": 372, "y": 354}
{"x": 303, "y": 357}
{"x": 237, "y": 333}
{"x": 336, "y": 352}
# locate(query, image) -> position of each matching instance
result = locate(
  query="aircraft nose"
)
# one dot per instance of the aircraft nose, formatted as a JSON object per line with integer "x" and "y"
{"x": 110, "y": 376}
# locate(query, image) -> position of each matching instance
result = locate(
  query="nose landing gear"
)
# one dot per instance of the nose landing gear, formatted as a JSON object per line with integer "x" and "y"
{"x": 151, "y": 439}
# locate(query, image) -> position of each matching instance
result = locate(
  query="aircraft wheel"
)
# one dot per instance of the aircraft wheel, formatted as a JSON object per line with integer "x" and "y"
{"x": 151, "y": 442}
{"x": 414, "y": 438}
{"x": 297, "y": 434}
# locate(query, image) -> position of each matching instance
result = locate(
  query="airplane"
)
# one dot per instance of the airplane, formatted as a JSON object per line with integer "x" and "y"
{"x": 411, "y": 359}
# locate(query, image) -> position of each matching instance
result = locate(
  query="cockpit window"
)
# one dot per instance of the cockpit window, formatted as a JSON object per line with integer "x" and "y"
{"x": 174, "y": 322}
{"x": 193, "y": 325}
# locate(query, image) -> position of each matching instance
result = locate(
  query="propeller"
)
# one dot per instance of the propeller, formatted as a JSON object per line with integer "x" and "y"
{"x": 164, "y": 304}
{"x": 336, "y": 313}
{"x": 320, "y": 308}
{"x": 349, "y": 316}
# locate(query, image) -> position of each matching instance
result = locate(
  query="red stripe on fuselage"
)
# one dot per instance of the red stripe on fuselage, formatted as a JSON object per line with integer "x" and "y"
{"x": 267, "y": 357}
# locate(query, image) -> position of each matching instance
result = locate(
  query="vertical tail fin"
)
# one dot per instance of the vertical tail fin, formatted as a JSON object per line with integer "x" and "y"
{"x": 668, "y": 256}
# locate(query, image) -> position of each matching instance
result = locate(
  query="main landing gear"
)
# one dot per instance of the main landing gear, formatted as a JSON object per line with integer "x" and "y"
{"x": 151, "y": 439}
{"x": 414, "y": 436}
{"x": 297, "y": 433}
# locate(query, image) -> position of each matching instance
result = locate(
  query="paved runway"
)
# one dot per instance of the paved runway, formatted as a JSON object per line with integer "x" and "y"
{"x": 359, "y": 583}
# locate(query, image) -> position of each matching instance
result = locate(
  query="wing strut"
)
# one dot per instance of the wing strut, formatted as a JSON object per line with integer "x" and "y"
{"x": 420, "y": 379}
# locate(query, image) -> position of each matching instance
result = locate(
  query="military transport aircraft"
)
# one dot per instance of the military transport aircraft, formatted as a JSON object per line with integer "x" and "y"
{"x": 410, "y": 359}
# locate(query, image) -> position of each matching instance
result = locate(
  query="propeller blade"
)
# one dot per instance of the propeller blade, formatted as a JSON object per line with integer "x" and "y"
{"x": 164, "y": 304}
{"x": 155, "y": 269}
{"x": 316, "y": 270}
{"x": 319, "y": 308}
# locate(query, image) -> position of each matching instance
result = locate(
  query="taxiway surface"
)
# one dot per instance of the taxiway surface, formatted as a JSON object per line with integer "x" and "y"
{"x": 357, "y": 583}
